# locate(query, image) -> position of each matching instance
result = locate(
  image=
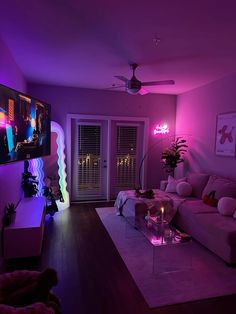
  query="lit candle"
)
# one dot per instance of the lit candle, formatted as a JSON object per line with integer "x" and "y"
{"x": 162, "y": 214}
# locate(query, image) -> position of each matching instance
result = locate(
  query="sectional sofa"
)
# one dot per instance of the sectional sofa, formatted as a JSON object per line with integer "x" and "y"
{"x": 203, "y": 222}
{"x": 214, "y": 229}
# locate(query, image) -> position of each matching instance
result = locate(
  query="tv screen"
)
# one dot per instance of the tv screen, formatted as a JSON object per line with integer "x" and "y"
{"x": 25, "y": 130}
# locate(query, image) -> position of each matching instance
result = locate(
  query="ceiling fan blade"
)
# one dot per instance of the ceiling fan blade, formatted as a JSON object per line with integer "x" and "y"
{"x": 168, "y": 82}
{"x": 143, "y": 91}
{"x": 122, "y": 78}
{"x": 117, "y": 86}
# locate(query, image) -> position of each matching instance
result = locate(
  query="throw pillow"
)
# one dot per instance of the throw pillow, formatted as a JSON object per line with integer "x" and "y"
{"x": 184, "y": 189}
{"x": 223, "y": 187}
{"x": 210, "y": 199}
{"x": 198, "y": 182}
{"x": 227, "y": 206}
{"x": 172, "y": 183}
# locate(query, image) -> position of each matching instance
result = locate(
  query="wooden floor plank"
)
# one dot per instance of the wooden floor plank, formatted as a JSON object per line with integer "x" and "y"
{"x": 93, "y": 278}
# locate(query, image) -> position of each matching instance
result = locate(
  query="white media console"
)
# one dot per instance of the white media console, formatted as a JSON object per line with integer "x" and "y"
{"x": 24, "y": 236}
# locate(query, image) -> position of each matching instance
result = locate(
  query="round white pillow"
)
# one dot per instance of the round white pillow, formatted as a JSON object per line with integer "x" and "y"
{"x": 184, "y": 189}
{"x": 227, "y": 206}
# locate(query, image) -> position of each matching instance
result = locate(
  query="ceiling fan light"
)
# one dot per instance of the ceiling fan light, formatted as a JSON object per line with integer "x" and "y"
{"x": 133, "y": 91}
{"x": 133, "y": 86}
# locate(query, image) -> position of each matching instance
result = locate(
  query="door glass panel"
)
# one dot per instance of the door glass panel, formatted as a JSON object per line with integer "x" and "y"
{"x": 126, "y": 146}
{"x": 89, "y": 174}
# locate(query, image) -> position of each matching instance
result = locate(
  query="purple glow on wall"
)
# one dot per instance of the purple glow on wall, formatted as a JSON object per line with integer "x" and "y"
{"x": 10, "y": 73}
{"x": 161, "y": 129}
{"x": 11, "y": 174}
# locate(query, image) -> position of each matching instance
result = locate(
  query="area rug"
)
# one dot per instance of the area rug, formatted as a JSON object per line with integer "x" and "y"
{"x": 207, "y": 277}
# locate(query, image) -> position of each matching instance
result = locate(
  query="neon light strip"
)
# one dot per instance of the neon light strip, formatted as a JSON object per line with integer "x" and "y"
{"x": 55, "y": 127}
{"x": 36, "y": 168}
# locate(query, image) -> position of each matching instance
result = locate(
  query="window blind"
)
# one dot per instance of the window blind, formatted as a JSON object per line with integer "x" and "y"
{"x": 126, "y": 156}
{"x": 89, "y": 160}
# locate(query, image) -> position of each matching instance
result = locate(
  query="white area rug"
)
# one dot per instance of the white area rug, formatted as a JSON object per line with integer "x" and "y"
{"x": 208, "y": 276}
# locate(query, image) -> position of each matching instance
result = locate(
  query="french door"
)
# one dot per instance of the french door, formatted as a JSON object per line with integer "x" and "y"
{"x": 126, "y": 155}
{"x": 105, "y": 156}
{"x": 89, "y": 161}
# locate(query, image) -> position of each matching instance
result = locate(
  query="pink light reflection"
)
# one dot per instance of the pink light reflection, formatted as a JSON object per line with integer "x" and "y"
{"x": 157, "y": 240}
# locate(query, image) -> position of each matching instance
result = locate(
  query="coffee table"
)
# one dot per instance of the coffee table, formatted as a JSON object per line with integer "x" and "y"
{"x": 171, "y": 249}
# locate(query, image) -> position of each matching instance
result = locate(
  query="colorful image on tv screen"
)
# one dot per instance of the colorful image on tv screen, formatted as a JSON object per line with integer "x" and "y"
{"x": 24, "y": 126}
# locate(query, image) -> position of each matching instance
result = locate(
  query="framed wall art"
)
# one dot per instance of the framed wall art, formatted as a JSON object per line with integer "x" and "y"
{"x": 226, "y": 134}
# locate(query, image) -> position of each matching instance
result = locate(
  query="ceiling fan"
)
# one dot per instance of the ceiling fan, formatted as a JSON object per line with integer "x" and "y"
{"x": 134, "y": 86}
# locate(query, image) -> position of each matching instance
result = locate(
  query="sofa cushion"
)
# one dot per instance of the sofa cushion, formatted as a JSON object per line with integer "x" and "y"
{"x": 195, "y": 206}
{"x": 227, "y": 206}
{"x": 204, "y": 218}
{"x": 198, "y": 182}
{"x": 222, "y": 227}
{"x": 184, "y": 189}
{"x": 222, "y": 187}
{"x": 172, "y": 183}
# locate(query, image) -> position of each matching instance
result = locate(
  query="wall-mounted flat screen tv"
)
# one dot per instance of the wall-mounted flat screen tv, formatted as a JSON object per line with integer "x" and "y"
{"x": 25, "y": 130}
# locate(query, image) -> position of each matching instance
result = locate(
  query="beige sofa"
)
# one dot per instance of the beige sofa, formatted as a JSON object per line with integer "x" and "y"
{"x": 203, "y": 222}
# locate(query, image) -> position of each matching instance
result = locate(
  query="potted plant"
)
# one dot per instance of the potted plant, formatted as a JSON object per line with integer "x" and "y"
{"x": 9, "y": 214}
{"x": 51, "y": 205}
{"x": 173, "y": 155}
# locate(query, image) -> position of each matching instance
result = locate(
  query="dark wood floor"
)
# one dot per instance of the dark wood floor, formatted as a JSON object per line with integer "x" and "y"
{"x": 93, "y": 279}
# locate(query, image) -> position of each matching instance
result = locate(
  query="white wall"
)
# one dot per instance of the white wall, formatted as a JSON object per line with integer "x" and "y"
{"x": 196, "y": 116}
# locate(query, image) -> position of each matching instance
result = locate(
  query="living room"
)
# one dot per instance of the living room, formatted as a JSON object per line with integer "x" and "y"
{"x": 190, "y": 107}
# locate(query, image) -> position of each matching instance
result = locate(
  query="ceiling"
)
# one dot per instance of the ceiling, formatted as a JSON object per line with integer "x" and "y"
{"x": 86, "y": 43}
